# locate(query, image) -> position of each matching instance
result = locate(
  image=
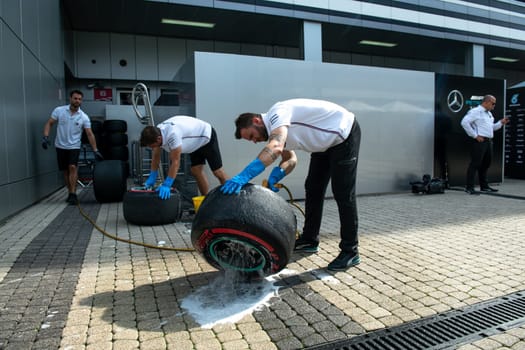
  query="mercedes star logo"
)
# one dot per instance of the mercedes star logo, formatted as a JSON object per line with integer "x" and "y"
{"x": 455, "y": 101}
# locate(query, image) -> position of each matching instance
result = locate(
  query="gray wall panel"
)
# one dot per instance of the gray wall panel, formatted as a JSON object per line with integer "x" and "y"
{"x": 19, "y": 195}
{"x": 193, "y": 46}
{"x": 51, "y": 52}
{"x": 49, "y": 100}
{"x": 92, "y": 55}
{"x": 146, "y": 58}
{"x": 14, "y": 108}
{"x": 11, "y": 15}
{"x": 31, "y": 67}
{"x": 122, "y": 47}
{"x": 69, "y": 50}
{"x": 227, "y": 47}
{"x": 3, "y": 120}
{"x": 31, "y": 18}
{"x": 395, "y": 109}
{"x": 5, "y": 205}
{"x": 33, "y": 127}
{"x": 171, "y": 56}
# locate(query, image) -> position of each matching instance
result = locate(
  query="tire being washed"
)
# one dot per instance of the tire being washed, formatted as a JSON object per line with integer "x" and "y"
{"x": 253, "y": 232}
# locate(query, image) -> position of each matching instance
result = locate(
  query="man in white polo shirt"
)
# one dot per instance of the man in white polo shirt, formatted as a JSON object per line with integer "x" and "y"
{"x": 479, "y": 125}
{"x": 71, "y": 121}
{"x": 183, "y": 135}
{"x": 332, "y": 135}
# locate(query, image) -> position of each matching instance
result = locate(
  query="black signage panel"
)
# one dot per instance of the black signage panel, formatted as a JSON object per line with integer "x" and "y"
{"x": 455, "y": 95}
{"x": 515, "y": 134}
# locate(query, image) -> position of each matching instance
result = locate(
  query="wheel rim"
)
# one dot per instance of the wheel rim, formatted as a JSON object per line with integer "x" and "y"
{"x": 235, "y": 254}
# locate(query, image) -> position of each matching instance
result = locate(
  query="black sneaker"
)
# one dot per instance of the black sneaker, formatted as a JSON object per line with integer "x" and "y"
{"x": 303, "y": 245}
{"x": 72, "y": 199}
{"x": 343, "y": 261}
{"x": 488, "y": 189}
{"x": 68, "y": 197}
{"x": 471, "y": 191}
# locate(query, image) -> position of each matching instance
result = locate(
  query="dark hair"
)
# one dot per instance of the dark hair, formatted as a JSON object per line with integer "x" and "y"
{"x": 243, "y": 121}
{"x": 78, "y": 92}
{"x": 149, "y": 135}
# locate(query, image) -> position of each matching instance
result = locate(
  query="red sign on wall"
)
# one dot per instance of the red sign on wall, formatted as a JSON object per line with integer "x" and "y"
{"x": 103, "y": 94}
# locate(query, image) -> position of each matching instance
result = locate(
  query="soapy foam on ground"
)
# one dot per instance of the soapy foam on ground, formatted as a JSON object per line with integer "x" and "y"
{"x": 325, "y": 277}
{"x": 228, "y": 299}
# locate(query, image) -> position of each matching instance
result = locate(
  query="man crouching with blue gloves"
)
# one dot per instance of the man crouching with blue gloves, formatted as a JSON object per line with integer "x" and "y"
{"x": 183, "y": 135}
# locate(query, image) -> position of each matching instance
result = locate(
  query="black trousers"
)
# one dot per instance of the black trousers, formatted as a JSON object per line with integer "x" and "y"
{"x": 480, "y": 159}
{"x": 338, "y": 163}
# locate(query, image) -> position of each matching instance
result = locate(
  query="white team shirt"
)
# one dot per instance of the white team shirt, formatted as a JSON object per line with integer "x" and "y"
{"x": 479, "y": 121}
{"x": 189, "y": 132}
{"x": 69, "y": 127}
{"x": 313, "y": 125}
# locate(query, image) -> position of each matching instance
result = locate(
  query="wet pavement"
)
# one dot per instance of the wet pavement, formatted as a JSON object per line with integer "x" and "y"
{"x": 64, "y": 285}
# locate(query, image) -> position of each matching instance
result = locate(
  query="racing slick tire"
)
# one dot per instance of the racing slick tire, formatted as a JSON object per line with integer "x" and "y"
{"x": 252, "y": 232}
{"x": 109, "y": 181}
{"x": 144, "y": 207}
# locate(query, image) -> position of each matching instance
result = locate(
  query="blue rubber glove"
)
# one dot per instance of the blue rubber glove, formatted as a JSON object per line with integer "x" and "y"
{"x": 150, "y": 182}
{"x": 235, "y": 184}
{"x": 165, "y": 188}
{"x": 275, "y": 176}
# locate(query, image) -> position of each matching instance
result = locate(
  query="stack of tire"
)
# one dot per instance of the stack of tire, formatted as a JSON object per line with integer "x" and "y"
{"x": 116, "y": 142}
{"x": 109, "y": 181}
{"x": 109, "y": 175}
{"x": 87, "y": 157}
{"x": 97, "y": 127}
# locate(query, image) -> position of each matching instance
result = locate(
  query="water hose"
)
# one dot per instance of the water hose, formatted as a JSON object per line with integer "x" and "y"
{"x": 291, "y": 201}
{"x": 147, "y": 245}
{"x": 120, "y": 239}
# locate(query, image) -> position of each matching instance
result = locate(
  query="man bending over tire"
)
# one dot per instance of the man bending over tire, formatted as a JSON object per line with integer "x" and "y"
{"x": 183, "y": 135}
{"x": 332, "y": 136}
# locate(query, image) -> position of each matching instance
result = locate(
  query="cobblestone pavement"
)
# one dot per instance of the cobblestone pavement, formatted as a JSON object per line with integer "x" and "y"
{"x": 63, "y": 285}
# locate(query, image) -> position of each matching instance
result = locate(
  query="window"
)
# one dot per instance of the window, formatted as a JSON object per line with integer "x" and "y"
{"x": 168, "y": 97}
{"x": 124, "y": 97}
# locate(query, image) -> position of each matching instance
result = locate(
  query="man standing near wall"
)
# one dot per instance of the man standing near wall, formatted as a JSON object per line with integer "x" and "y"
{"x": 479, "y": 125}
{"x": 71, "y": 121}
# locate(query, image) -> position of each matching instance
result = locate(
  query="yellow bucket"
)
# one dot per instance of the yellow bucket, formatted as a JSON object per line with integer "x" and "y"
{"x": 197, "y": 202}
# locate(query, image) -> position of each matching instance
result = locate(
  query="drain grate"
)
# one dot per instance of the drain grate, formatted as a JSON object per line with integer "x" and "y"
{"x": 442, "y": 331}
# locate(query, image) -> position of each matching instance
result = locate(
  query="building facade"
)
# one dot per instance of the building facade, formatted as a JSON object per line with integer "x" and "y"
{"x": 50, "y": 47}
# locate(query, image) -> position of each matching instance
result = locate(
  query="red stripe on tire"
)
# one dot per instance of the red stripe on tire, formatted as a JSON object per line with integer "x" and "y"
{"x": 207, "y": 235}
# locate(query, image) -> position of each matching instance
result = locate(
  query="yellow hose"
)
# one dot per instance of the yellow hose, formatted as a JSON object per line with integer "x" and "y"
{"x": 143, "y": 244}
{"x": 127, "y": 240}
{"x": 291, "y": 201}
